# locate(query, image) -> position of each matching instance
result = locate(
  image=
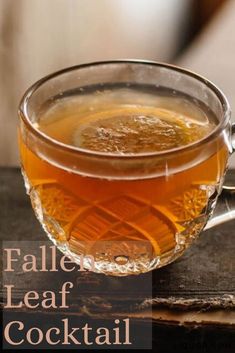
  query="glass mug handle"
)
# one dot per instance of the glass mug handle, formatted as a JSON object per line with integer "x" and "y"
{"x": 225, "y": 208}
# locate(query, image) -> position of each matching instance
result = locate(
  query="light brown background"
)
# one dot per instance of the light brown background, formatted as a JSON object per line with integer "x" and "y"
{"x": 41, "y": 36}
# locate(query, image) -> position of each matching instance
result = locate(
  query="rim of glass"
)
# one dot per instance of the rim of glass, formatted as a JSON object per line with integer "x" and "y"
{"x": 23, "y": 111}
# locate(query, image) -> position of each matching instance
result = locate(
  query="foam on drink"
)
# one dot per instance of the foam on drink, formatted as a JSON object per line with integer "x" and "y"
{"x": 119, "y": 122}
{"x": 130, "y": 226}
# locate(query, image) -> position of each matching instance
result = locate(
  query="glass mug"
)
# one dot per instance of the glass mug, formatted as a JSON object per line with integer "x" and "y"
{"x": 123, "y": 214}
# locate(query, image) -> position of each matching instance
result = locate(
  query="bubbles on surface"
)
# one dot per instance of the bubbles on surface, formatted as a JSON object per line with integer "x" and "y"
{"x": 125, "y": 119}
{"x": 156, "y": 130}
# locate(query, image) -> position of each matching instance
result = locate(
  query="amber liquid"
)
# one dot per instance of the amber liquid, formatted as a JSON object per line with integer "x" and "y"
{"x": 129, "y": 226}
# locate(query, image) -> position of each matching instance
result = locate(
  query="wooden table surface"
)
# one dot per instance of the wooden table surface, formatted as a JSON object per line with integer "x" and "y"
{"x": 193, "y": 297}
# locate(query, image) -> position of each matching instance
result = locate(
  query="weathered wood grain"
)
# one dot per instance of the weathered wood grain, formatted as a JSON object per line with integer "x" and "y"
{"x": 192, "y": 300}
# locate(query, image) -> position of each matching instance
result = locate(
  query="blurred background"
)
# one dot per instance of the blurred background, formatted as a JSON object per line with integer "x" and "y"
{"x": 38, "y": 37}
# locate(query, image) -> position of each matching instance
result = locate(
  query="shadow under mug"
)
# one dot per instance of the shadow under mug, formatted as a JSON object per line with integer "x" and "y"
{"x": 124, "y": 214}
